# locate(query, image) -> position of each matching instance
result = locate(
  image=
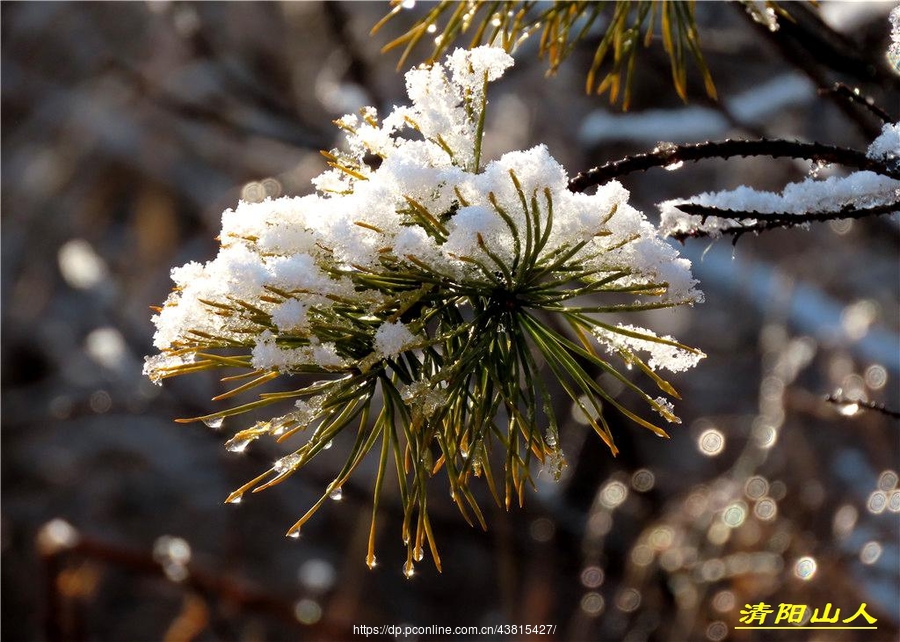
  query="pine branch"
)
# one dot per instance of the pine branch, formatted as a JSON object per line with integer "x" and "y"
{"x": 627, "y": 26}
{"x": 773, "y": 220}
{"x": 668, "y": 154}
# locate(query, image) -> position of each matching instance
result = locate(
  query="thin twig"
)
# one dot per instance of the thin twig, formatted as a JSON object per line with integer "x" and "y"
{"x": 223, "y": 588}
{"x": 772, "y": 220}
{"x": 667, "y": 155}
{"x": 810, "y": 45}
{"x": 851, "y": 94}
{"x": 842, "y": 400}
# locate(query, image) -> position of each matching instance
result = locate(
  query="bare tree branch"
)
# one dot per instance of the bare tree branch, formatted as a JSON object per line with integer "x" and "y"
{"x": 852, "y": 95}
{"x": 665, "y": 155}
{"x": 846, "y": 402}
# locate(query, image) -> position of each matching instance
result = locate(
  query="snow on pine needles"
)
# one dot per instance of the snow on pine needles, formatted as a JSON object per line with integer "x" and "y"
{"x": 415, "y": 290}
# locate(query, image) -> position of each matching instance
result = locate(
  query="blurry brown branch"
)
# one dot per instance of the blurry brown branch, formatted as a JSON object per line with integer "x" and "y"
{"x": 665, "y": 155}
{"x": 219, "y": 588}
{"x": 764, "y": 221}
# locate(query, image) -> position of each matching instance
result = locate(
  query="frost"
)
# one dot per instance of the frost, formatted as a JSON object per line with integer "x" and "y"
{"x": 893, "y": 53}
{"x": 392, "y": 338}
{"x": 665, "y": 353}
{"x": 887, "y": 145}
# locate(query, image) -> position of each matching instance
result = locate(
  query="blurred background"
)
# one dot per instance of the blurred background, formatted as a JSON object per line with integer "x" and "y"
{"x": 127, "y": 128}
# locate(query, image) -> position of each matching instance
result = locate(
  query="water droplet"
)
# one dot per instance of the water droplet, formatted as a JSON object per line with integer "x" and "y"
{"x": 235, "y": 498}
{"x": 336, "y": 494}
{"x": 371, "y": 561}
{"x": 238, "y": 444}
{"x": 418, "y": 554}
{"x": 673, "y": 166}
{"x": 294, "y": 534}
{"x": 286, "y": 463}
{"x": 409, "y": 570}
{"x": 327, "y": 445}
{"x": 215, "y": 422}
{"x": 848, "y": 409}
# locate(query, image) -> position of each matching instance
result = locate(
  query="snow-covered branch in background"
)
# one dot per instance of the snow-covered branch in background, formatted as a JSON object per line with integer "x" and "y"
{"x": 742, "y": 210}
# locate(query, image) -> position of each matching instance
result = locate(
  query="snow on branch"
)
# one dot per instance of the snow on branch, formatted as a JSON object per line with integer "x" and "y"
{"x": 761, "y": 221}
{"x": 742, "y": 210}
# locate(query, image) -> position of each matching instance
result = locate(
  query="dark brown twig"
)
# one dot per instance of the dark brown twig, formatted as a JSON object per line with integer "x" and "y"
{"x": 773, "y": 220}
{"x": 666, "y": 155}
{"x": 844, "y": 91}
{"x": 810, "y": 45}
{"x": 842, "y": 400}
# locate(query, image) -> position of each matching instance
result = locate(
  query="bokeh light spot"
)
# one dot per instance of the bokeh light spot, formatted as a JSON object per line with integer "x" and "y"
{"x": 887, "y": 480}
{"x": 628, "y": 600}
{"x": 877, "y": 502}
{"x": 613, "y": 494}
{"x": 876, "y": 376}
{"x": 766, "y": 509}
{"x": 756, "y": 487}
{"x": 592, "y": 576}
{"x": 723, "y": 601}
{"x": 717, "y": 631}
{"x": 711, "y": 442}
{"x": 307, "y": 611}
{"x": 592, "y": 604}
{"x": 870, "y": 553}
{"x": 642, "y": 480}
{"x": 735, "y": 514}
{"x": 805, "y": 568}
